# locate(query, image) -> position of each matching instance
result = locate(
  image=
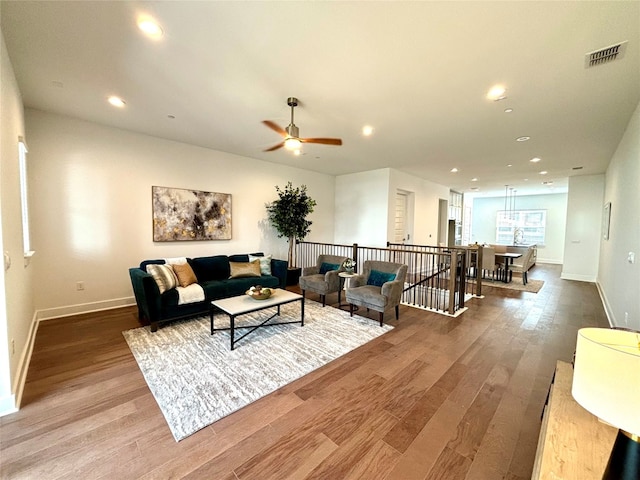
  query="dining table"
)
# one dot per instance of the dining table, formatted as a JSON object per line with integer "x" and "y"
{"x": 507, "y": 258}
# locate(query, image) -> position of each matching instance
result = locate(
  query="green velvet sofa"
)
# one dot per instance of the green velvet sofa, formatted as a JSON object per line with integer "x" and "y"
{"x": 212, "y": 274}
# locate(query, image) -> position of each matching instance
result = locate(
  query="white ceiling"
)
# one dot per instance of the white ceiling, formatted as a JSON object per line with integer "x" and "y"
{"x": 418, "y": 72}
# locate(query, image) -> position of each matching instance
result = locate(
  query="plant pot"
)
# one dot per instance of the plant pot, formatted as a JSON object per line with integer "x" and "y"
{"x": 293, "y": 276}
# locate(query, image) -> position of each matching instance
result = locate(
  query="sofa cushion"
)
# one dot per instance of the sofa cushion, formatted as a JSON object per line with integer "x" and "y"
{"x": 185, "y": 274}
{"x": 170, "y": 308}
{"x": 232, "y": 287}
{"x": 210, "y": 268}
{"x": 239, "y": 258}
{"x": 244, "y": 269}
{"x": 265, "y": 263}
{"x": 164, "y": 276}
{"x": 378, "y": 278}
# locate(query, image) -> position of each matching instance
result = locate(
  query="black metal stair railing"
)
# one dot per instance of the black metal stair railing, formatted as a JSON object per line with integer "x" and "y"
{"x": 431, "y": 281}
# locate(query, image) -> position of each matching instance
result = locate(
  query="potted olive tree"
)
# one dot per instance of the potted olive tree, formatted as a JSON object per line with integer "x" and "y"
{"x": 288, "y": 215}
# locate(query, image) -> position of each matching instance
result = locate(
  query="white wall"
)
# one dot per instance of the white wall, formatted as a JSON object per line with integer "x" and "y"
{"x": 619, "y": 280}
{"x": 92, "y": 206}
{"x": 16, "y": 306}
{"x": 365, "y": 206}
{"x": 362, "y": 216}
{"x": 582, "y": 240}
{"x": 483, "y": 227}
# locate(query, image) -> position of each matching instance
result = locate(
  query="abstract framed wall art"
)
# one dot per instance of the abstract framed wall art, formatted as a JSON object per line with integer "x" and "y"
{"x": 182, "y": 214}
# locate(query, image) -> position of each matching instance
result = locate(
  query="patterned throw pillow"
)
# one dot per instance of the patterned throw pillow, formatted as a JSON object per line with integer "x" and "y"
{"x": 265, "y": 263}
{"x": 327, "y": 267}
{"x": 245, "y": 269}
{"x": 379, "y": 278}
{"x": 164, "y": 276}
{"x": 185, "y": 274}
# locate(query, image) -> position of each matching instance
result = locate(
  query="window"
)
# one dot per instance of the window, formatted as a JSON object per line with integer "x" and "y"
{"x": 22, "y": 156}
{"x": 455, "y": 214}
{"x": 521, "y": 227}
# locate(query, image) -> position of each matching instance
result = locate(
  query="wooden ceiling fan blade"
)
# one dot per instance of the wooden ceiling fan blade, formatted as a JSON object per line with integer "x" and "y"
{"x": 275, "y": 147}
{"x": 323, "y": 141}
{"x": 275, "y": 127}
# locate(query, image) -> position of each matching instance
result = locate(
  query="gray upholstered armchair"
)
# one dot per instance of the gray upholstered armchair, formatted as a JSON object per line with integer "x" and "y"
{"x": 379, "y": 287}
{"x": 323, "y": 277}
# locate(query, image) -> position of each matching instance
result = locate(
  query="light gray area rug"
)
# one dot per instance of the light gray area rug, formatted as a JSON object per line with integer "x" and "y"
{"x": 532, "y": 286}
{"x": 196, "y": 379}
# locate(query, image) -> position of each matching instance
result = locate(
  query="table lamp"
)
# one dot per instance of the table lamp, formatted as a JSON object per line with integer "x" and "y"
{"x": 606, "y": 382}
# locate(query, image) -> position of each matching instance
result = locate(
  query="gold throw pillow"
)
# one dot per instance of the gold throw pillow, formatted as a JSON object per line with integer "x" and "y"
{"x": 245, "y": 269}
{"x": 185, "y": 274}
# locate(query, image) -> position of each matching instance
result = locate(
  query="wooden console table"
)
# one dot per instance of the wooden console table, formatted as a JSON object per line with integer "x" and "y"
{"x": 573, "y": 444}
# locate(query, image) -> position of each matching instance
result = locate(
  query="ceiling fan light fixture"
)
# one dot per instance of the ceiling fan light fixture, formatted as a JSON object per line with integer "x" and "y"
{"x": 292, "y": 143}
{"x": 291, "y": 134}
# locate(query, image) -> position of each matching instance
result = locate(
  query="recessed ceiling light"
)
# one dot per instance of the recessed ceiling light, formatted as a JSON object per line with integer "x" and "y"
{"x": 534, "y": 160}
{"x": 474, "y": 189}
{"x": 508, "y": 110}
{"x": 523, "y": 139}
{"x": 172, "y": 117}
{"x": 497, "y": 92}
{"x": 454, "y": 170}
{"x": 509, "y": 165}
{"x": 474, "y": 179}
{"x": 548, "y": 183}
{"x": 367, "y": 130}
{"x": 116, "y": 101}
{"x": 150, "y": 27}
{"x": 543, "y": 172}
{"x": 576, "y": 168}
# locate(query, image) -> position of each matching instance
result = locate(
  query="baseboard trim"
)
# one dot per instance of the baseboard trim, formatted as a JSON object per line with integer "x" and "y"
{"x": 8, "y": 405}
{"x": 607, "y": 307}
{"x": 550, "y": 261}
{"x": 11, "y": 403}
{"x": 25, "y": 359}
{"x": 70, "y": 310}
{"x": 579, "y": 278}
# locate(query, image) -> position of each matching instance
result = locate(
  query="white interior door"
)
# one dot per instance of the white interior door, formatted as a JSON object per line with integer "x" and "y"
{"x": 400, "y": 234}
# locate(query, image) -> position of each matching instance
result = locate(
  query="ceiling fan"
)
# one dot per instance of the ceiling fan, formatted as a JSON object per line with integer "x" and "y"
{"x": 292, "y": 140}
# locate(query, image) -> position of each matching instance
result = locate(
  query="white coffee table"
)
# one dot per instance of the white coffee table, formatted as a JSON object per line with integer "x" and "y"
{"x": 243, "y": 304}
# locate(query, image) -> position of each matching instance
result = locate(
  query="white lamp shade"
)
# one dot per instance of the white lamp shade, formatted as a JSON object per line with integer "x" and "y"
{"x": 606, "y": 376}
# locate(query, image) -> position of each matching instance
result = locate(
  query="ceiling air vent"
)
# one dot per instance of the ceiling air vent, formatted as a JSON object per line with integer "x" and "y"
{"x": 605, "y": 55}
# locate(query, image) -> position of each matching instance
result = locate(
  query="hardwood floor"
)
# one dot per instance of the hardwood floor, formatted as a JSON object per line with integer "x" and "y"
{"x": 436, "y": 398}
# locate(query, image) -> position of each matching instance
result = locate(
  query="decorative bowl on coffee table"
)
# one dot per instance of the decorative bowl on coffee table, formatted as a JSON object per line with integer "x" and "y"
{"x": 259, "y": 293}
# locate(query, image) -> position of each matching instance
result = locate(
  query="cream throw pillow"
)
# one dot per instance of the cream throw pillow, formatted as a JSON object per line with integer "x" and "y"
{"x": 185, "y": 274}
{"x": 245, "y": 269}
{"x": 164, "y": 276}
{"x": 265, "y": 263}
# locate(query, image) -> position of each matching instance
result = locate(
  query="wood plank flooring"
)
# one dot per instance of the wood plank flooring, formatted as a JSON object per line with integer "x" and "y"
{"x": 436, "y": 398}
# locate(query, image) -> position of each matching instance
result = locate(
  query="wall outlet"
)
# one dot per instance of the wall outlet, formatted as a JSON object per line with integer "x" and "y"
{"x": 79, "y": 285}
